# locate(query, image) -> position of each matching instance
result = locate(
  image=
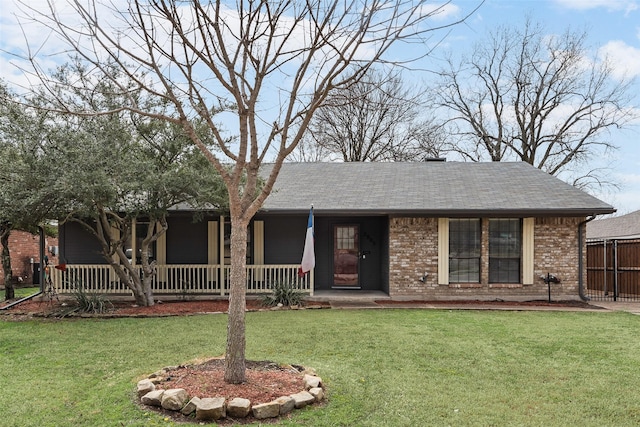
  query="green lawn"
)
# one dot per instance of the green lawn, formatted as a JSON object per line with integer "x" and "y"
{"x": 382, "y": 367}
{"x": 21, "y": 292}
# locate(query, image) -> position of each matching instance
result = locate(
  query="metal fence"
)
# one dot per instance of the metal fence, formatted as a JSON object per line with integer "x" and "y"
{"x": 613, "y": 270}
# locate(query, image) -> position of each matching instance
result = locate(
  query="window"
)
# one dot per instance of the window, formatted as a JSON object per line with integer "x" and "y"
{"x": 464, "y": 250}
{"x": 505, "y": 250}
{"x": 346, "y": 237}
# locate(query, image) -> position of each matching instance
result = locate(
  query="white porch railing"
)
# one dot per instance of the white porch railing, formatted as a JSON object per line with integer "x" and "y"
{"x": 180, "y": 280}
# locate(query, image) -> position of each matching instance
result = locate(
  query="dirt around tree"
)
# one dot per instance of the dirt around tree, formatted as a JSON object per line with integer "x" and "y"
{"x": 266, "y": 381}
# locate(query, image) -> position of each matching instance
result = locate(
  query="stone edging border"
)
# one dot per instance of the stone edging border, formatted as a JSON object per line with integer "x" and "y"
{"x": 217, "y": 408}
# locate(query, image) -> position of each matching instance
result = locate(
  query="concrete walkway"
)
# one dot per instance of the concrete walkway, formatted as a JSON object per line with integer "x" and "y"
{"x": 341, "y": 299}
{"x": 631, "y": 307}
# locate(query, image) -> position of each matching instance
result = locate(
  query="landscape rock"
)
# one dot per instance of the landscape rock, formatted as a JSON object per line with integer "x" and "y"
{"x": 153, "y": 398}
{"x": 318, "y": 393}
{"x": 310, "y": 371}
{"x": 266, "y": 410}
{"x": 174, "y": 399}
{"x": 287, "y": 404}
{"x": 303, "y": 399}
{"x": 238, "y": 407}
{"x": 190, "y": 407}
{"x": 210, "y": 408}
{"x": 311, "y": 381}
{"x": 216, "y": 408}
{"x": 145, "y": 386}
{"x": 157, "y": 374}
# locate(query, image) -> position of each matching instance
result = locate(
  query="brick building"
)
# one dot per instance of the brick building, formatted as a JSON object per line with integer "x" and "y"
{"x": 432, "y": 230}
{"x": 24, "y": 248}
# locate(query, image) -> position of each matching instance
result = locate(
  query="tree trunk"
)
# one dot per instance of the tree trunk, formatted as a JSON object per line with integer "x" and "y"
{"x": 130, "y": 277}
{"x": 148, "y": 273}
{"x": 121, "y": 265}
{"x": 154, "y": 230}
{"x": 9, "y": 292}
{"x": 235, "y": 366}
{"x": 134, "y": 282}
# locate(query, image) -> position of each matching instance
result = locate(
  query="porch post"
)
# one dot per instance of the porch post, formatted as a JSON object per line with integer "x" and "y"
{"x": 212, "y": 253}
{"x": 221, "y": 255}
{"x": 312, "y": 274}
{"x": 134, "y": 249}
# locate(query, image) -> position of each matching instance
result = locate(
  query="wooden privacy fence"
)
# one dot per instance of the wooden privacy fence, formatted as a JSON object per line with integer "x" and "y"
{"x": 613, "y": 269}
{"x": 180, "y": 280}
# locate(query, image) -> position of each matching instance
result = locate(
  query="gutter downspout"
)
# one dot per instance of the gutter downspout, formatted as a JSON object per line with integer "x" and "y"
{"x": 580, "y": 259}
{"x": 42, "y": 249}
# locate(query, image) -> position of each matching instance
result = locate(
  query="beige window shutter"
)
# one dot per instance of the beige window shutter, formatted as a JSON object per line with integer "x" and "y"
{"x": 115, "y": 232}
{"x": 528, "y": 245}
{"x": 221, "y": 253}
{"x": 258, "y": 242}
{"x": 443, "y": 251}
{"x": 258, "y": 247}
{"x": 161, "y": 247}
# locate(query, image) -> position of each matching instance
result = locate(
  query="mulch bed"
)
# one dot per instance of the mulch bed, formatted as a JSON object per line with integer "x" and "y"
{"x": 266, "y": 381}
{"x": 496, "y": 303}
{"x": 129, "y": 309}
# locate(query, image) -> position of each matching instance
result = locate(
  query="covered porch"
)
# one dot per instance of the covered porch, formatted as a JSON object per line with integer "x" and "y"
{"x": 180, "y": 280}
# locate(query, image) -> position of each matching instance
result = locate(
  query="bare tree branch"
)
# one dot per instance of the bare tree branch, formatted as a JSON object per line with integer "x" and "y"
{"x": 525, "y": 95}
{"x": 264, "y": 67}
{"x": 377, "y": 118}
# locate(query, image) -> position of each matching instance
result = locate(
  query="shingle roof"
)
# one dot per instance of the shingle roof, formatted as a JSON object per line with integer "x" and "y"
{"x": 429, "y": 188}
{"x": 620, "y": 227}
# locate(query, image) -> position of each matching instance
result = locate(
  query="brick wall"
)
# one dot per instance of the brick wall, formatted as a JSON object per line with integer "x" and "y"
{"x": 23, "y": 247}
{"x": 558, "y": 239}
{"x": 413, "y": 250}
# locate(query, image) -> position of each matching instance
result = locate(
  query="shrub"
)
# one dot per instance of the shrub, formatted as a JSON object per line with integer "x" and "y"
{"x": 283, "y": 293}
{"x": 88, "y": 302}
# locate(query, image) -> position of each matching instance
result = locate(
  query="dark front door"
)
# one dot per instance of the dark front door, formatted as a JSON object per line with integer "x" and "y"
{"x": 346, "y": 256}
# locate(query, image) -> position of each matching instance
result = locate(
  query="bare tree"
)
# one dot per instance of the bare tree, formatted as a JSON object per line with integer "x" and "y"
{"x": 525, "y": 95}
{"x": 308, "y": 150}
{"x": 267, "y": 66}
{"x": 377, "y": 118}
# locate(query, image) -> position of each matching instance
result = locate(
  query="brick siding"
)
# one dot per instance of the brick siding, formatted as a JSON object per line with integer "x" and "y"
{"x": 413, "y": 250}
{"x": 24, "y": 247}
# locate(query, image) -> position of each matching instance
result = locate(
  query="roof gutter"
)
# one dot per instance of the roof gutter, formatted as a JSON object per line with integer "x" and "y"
{"x": 581, "y": 226}
{"x": 448, "y": 213}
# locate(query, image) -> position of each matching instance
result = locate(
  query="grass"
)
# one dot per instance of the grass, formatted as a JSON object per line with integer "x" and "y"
{"x": 382, "y": 367}
{"x": 21, "y": 292}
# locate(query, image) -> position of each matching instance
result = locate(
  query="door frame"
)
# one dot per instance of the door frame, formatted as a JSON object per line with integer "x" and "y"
{"x": 334, "y": 227}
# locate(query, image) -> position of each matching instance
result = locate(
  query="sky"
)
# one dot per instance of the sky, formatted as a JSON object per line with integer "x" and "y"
{"x": 613, "y": 27}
